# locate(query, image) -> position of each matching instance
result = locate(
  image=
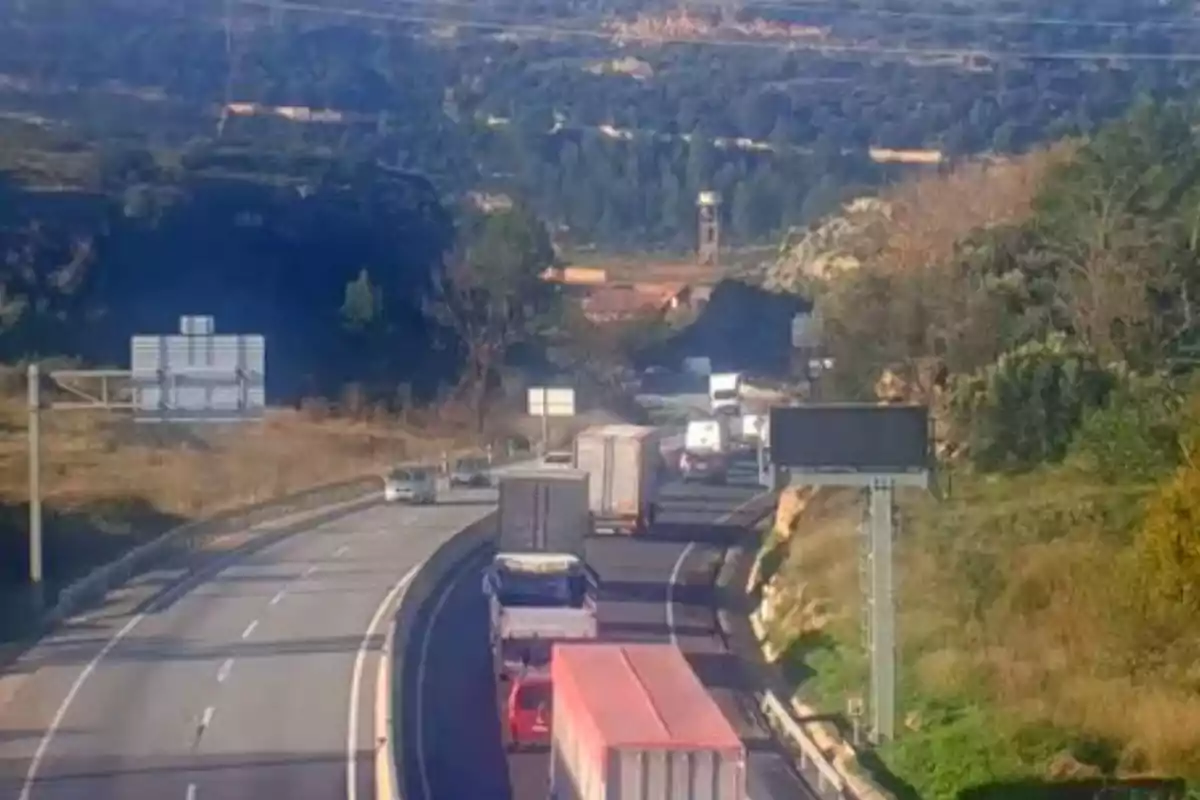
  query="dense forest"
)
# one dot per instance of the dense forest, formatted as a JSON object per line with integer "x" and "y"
{"x": 608, "y": 117}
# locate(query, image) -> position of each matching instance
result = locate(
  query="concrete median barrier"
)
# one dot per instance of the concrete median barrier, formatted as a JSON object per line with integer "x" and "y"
{"x": 390, "y": 780}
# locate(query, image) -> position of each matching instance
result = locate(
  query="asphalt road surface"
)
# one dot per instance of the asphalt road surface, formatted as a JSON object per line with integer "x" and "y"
{"x": 656, "y": 589}
{"x": 254, "y": 678}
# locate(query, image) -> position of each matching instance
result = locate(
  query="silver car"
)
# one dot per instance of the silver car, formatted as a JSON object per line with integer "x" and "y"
{"x": 471, "y": 472}
{"x": 417, "y": 485}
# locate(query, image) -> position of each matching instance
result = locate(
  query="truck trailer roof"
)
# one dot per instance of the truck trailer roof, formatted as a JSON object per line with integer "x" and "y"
{"x": 640, "y": 696}
{"x": 535, "y": 474}
{"x": 619, "y": 429}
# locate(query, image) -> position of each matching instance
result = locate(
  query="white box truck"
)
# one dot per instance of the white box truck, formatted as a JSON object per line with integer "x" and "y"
{"x": 633, "y": 722}
{"x": 543, "y": 511}
{"x": 625, "y": 466}
{"x": 725, "y": 392}
{"x": 539, "y": 586}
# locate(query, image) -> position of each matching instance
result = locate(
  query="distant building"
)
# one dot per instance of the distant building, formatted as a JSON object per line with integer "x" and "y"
{"x": 625, "y": 302}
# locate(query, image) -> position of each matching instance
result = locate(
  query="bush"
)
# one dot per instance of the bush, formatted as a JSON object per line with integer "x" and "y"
{"x": 1134, "y": 438}
{"x": 1169, "y": 541}
{"x": 1024, "y": 409}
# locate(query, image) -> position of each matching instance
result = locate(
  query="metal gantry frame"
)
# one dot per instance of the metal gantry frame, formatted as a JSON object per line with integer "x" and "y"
{"x": 106, "y": 396}
{"x": 877, "y": 567}
{"x": 124, "y": 390}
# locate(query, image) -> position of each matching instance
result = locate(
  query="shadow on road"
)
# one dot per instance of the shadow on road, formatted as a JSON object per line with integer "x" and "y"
{"x": 296, "y": 776}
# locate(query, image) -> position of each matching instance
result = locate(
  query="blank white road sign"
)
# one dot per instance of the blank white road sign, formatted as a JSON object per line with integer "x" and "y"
{"x": 546, "y": 401}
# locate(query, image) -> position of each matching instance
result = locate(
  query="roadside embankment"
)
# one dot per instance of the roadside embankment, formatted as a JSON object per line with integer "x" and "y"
{"x": 1024, "y": 658}
{"x": 750, "y": 592}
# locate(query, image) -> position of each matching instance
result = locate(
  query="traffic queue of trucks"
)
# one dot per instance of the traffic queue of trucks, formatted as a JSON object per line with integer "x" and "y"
{"x": 623, "y": 721}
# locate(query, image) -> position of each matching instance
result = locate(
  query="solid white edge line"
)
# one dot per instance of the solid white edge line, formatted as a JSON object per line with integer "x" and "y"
{"x": 422, "y": 664}
{"x": 57, "y": 721}
{"x": 360, "y": 660}
{"x": 673, "y": 581}
{"x": 167, "y": 597}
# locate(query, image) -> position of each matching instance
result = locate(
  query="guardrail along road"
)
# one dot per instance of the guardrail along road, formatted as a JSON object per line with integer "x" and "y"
{"x": 657, "y": 589}
{"x": 241, "y": 677}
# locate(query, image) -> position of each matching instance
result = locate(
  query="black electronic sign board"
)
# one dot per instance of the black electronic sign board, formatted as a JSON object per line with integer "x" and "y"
{"x": 858, "y": 437}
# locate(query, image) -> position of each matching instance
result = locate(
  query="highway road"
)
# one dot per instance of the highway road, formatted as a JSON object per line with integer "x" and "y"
{"x": 254, "y": 677}
{"x": 656, "y": 589}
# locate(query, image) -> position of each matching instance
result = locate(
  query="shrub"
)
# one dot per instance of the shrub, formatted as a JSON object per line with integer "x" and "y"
{"x": 1024, "y": 409}
{"x": 1134, "y": 437}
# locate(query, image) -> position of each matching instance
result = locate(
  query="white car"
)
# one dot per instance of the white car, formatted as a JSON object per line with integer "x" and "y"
{"x": 416, "y": 485}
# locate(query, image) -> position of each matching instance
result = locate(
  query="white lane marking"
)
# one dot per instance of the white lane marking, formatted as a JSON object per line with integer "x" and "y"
{"x": 360, "y": 661}
{"x": 278, "y": 596}
{"x": 310, "y": 570}
{"x": 341, "y": 551}
{"x": 422, "y": 664}
{"x": 61, "y": 713}
{"x": 249, "y": 629}
{"x": 191, "y": 792}
{"x": 223, "y": 672}
{"x": 202, "y": 726}
{"x": 673, "y": 581}
{"x": 157, "y": 603}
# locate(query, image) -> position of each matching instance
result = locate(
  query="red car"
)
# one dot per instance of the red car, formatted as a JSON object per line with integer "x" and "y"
{"x": 528, "y": 712}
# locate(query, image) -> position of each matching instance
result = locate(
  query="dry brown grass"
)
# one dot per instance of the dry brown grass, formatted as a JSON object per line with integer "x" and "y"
{"x": 97, "y": 458}
{"x": 1044, "y": 631}
{"x": 931, "y": 214}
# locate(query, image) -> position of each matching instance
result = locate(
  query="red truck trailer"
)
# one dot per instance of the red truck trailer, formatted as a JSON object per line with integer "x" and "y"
{"x": 633, "y": 722}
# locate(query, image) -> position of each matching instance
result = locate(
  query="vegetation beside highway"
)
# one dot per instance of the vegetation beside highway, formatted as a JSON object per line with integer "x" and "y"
{"x": 1047, "y": 605}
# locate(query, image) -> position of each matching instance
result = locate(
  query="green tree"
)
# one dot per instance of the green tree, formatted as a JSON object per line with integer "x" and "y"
{"x": 492, "y": 294}
{"x": 1024, "y": 409}
{"x": 362, "y": 307}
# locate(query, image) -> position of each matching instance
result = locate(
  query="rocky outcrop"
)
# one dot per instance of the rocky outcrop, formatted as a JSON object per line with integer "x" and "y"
{"x": 840, "y": 242}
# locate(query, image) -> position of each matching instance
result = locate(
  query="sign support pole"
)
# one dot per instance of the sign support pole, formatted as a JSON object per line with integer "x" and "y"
{"x": 881, "y": 602}
{"x": 36, "y": 582}
{"x": 879, "y": 535}
{"x": 103, "y": 397}
{"x": 545, "y": 420}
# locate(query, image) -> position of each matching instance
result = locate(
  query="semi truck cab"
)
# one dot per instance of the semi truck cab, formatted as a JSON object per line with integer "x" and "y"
{"x": 535, "y": 599}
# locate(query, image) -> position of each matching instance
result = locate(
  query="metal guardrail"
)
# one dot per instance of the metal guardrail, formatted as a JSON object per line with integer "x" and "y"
{"x": 786, "y": 725}
{"x": 195, "y": 535}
